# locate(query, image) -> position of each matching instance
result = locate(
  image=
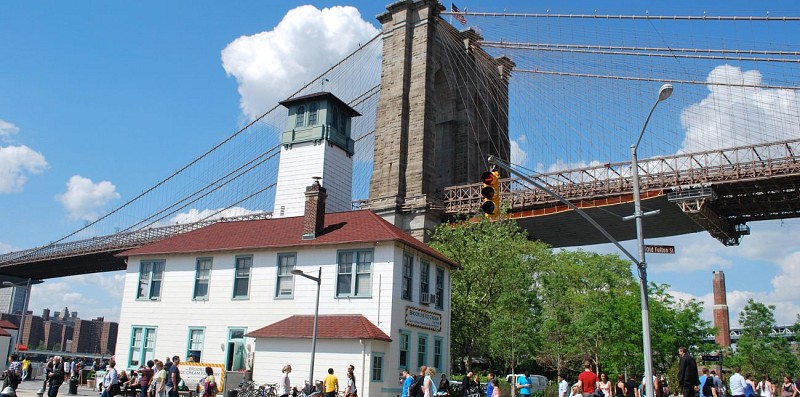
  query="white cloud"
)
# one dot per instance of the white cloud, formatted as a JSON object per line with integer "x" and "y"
{"x": 270, "y": 65}
{"x": 735, "y": 116}
{"x": 84, "y": 198}
{"x": 15, "y": 163}
{"x": 518, "y": 154}
{"x": 7, "y": 128}
{"x": 194, "y": 215}
{"x": 561, "y": 165}
{"x": 91, "y": 295}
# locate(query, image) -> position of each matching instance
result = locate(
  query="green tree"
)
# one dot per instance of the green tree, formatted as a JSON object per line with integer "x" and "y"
{"x": 758, "y": 350}
{"x": 493, "y": 296}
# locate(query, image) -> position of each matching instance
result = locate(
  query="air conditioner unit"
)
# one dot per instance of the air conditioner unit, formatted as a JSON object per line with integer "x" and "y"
{"x": 427, "y": 298}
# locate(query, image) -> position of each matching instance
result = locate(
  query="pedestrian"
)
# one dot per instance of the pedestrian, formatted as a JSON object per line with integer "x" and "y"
{"x": 524, "y": 384}
{"x": 738, "y": 383}
{"x": 750, "y": 386}
{"x": 26, "y": 369}
{"x": 765, "y": 388}
{"x": 145, "y": 377}
{"x": 285, "y": 385}
{"x": 444, "y": 386}
{"x": 174, "y": 377}
{"x": 429, "y": 386}
{"x": 160, "y": 379}
{"x": 687, "y": 373}
{"x": 587, "y": 380}
{"x": 416, "y": 387}
{"x": 632, "y": 387}
{"x": 495, "y": 388}
{"x": 209, "y": 383}
{"x": 14, "y": 374}
{"x": 619, "y": 386}
{"x": 605, "y": 385}
{"x": 702, "y": 379}
{"x": 350, "y": 389}
{"x": 55, "y": 377}
{"x": 490, "y": 385}
{"x": 408, "y": 380}
{"x": 110, "y": 381}
{"x": 331, "y": 383}
{"x": 789, "y": 389}
{"x": 466, "y": 384}
{"x": 707, "y": 385}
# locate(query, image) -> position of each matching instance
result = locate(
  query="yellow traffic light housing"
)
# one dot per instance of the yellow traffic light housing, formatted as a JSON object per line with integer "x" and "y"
{"x": 491, "y": 193}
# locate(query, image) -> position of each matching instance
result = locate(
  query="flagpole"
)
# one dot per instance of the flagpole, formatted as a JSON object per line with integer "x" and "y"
{"x": 451, "y": 13}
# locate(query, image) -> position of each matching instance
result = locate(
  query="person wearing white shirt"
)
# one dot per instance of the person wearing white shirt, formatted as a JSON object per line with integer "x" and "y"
{"x": 562, "y": 386}
{"x": 737, "y": 384}
{"x": 285, "y": 386}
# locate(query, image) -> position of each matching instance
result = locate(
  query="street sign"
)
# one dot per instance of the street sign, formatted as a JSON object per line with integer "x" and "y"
{"x": 712, "y": 358}
{"x": 659, "y": 249}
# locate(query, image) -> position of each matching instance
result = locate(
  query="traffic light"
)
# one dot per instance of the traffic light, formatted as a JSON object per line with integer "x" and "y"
{"x": 491, "y": 193}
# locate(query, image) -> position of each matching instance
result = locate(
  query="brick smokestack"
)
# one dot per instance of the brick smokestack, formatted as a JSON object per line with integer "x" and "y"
{"x": 314, "y": 216}
{"x": 721, "y": 317}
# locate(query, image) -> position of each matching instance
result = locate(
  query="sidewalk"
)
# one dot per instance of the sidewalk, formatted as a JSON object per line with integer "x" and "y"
{"x": 30, "y": 387}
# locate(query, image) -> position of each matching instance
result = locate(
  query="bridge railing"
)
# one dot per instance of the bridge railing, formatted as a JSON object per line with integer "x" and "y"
{"x": 114, "y": 242}
{"x": 678, "y": 171}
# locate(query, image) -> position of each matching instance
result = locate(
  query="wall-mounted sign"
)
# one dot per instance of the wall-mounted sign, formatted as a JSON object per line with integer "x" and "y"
{"x": 193, "y": 373}
{"x": 421, "y": 318}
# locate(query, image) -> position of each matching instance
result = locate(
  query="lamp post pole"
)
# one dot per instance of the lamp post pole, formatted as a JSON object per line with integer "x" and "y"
{"x": 317, "y": 280}
{"x": 24, "y": 310}
{"x": 663, "y": 93}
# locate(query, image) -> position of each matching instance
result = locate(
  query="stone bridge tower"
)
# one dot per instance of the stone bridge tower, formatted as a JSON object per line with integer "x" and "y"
{"x": 443, "y": 109}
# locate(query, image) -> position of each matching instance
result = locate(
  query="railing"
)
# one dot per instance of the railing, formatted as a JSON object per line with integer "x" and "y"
{"x": 614, "y": 179}
{"x": 114, "y": 242}
{"x": 782, "y": 331}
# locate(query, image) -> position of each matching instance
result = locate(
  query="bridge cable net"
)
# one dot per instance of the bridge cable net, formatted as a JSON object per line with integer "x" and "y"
{"x": 233, "y": 180}
{"x": 583, "y": 84}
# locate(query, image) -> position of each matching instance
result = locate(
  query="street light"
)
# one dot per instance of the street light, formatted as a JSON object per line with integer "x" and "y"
{"x": 24, "y": 310}
{"x": 663, "y": 93}
{"x": 317, "y": 280}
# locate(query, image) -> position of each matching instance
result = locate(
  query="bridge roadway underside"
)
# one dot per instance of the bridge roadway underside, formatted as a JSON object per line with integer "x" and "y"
{"x": 66, "y": 266}
{"x": 564, "y": 227}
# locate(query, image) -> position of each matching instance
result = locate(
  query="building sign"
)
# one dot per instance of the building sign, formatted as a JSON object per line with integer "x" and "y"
{"x": 712, "y": 358}
{"x": 421, "y": 318}
{"x": 194, "y": 373}
{"x": 659, "y": 249}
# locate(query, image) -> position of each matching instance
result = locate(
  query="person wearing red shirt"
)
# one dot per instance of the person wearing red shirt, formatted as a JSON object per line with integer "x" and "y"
{"x": 587, "y": 380}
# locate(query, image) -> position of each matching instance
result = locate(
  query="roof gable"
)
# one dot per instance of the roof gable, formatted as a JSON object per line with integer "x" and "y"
{"x": 362, "y": 226}
{"x": 337, "y": 326}
{"x": 7, "y": 325}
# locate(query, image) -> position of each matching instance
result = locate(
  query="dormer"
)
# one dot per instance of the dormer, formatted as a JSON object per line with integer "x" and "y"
{"x": 319, "y": 117}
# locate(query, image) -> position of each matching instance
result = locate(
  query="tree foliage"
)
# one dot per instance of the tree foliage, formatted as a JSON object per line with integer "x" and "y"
{"x": 758, "y": 350}
{"x": 519, "y": 303}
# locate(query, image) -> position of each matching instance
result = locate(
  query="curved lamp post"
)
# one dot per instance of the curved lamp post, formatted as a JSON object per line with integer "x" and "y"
{"x": 317, "y": 280}
{"x": 663, "y": 93}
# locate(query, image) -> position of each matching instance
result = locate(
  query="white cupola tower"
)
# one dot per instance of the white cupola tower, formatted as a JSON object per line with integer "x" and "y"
{"x": 316, "y": 143}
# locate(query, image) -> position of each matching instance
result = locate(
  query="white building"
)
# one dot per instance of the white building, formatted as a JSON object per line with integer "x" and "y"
{"x": 226, "y": 294}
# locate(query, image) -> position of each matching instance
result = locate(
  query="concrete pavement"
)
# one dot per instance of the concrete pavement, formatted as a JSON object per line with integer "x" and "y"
{"x": 29, "y": 388}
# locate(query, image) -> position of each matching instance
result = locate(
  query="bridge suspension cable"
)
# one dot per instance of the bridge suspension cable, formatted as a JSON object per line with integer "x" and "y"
{"x": 627, "y": 17}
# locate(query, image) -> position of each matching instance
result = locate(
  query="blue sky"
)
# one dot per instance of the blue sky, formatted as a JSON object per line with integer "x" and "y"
{"x": 99, "y": 100}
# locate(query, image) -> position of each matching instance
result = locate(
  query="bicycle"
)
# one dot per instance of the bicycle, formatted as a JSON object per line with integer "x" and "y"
{"x": 269, "y": 390}
{"x": 247, "y": 388}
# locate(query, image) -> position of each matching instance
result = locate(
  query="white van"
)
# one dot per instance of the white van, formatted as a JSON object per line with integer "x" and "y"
{"x": 538, "y": 382}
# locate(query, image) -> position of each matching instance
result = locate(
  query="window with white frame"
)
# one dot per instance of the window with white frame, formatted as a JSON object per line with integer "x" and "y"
{"x": 422, "y": 350}
{"x": 439, "y": 288}
{"x": 151, "y": 273}
{"x": 241, "y": 282}
{"x": 201, "y": 276}
{"x": 405, "y": 349}
{"x": 284, "y": 286}
{"x": 377, "y": 367}
{"x": 424, "y": 278}
{"x": 195, "y": 343}
{"x": 142, "y": 345}
{"x": 354, "y": 277}
{"x": 300, "y": 116}
{"x": 408, "y": 276}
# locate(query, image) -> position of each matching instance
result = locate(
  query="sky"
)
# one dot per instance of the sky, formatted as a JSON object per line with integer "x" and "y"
{"x": 99, "y": 100}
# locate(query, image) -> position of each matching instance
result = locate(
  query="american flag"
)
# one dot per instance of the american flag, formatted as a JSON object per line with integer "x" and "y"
{"x": 457, "y": 13}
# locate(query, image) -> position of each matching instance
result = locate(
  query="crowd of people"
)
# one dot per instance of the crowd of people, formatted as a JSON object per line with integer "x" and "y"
{"x": 330, "y": 385}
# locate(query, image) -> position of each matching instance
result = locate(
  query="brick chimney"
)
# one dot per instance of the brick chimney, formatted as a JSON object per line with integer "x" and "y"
{"x": 721, "y": 317}
{"x": 46, "y": 314}
{"x": 314, "y": 216}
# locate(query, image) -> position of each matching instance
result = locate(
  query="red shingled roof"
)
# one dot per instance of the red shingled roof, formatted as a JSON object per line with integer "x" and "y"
{"x": 340, "y": 228}
{"x": 4, "y": 332}
{"x": 7, "y": 324}
{"x": 336, "y": 326}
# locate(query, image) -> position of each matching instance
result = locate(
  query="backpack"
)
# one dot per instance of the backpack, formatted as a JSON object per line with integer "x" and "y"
{"x": 416, "y": 387}
{"x": 708, "y": 386}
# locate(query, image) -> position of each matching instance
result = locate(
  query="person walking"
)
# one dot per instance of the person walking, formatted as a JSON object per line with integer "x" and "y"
{"x": 14, "y": 375}
{"x": 563, "y": 386}
{"x": 605, "y": 385}
{"x": 174, "y": 377}
{"x": 687, "y": 373}
{"x": 632, "y": 387}
{"x": 331, "y": 384}
{"x": 285, "y": 385}
{"x": 750, "y": 386}
{"x": 524, "y": 384}
{"x": 209, "y": 383}
{"x": 56, "y": 377}
{"x": 429, "y": 386}
{"x": 466, "y": 384}
{"x": 416, "y": 387}
{"x": 408, "y": 380}
{"x": 765, "y": 388}
{"x": 587, "y": 380}
{"x": 110, "y": 381}
{"x": 620, "y": 386}
{"x": 160, "y": 379}
{"x": 738, "y": 384}
{"x": 350, "y": 389}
